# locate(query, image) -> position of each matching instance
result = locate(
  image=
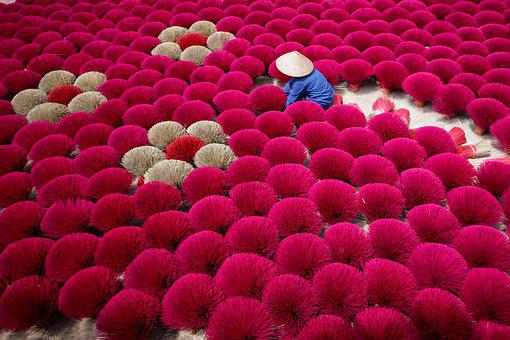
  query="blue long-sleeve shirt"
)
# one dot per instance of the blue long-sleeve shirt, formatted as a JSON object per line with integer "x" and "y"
{"x": 314, "y": 87}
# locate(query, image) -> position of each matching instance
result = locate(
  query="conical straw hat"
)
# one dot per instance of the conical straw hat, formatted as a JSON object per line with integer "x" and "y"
{"x": 294, "y": 64}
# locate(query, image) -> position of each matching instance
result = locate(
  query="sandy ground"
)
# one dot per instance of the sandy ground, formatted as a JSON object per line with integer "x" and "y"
{"x": 369, "y": 92}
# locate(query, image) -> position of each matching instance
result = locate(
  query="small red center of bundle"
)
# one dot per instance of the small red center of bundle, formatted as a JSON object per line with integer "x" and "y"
{"x": 191, "y": 39}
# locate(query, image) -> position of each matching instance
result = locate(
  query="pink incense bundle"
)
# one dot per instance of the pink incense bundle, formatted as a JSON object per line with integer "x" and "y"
{"x": 361, "y": 40}
{"x": 437, "y": 265}
{"x": 204, "y": 91}
{"x": 441, "y": 52}
{"x": 341, "y": 290}
{"x": 248, "y": 169}
{"x": 359, "y": 141}
{"x": 416, "y": 34}
{"x": 445, "y": 69}
{"x": 118, "y": 247}
{"x": 343, "y": 53}
{"x": 355, "y": 72}
{"x": 499, "y": 59}
{"x": 448, "y": 39}
{"x": 433, "y": 223}
{"x": 421, "y": 186}
{"x": 380, "y": 200}
{"x": 67, "y": 217}
{"x": 290, "y": 180}
{"x": 494, "y": 176}
{"x": 404, "y": 153}
{"x": 501, "y": 131}
{"x": 422, "y": 87}
{"x": 247, "y": 142}
{"x": 29, "y": 134}
{"x": 316, "y": 52}
{"x": 330, "y": 70}
{"x": 483, "y": 246}
{"x": 253, "y": 234}
{"x": 485, "y": 112}
{"x": 37, "y": 292}
{"x": 291, "y": 301}
{"x": 51, "y": 146}
{"x": 485, "y": 293}
{"x": 267, "y": 98}
{"x": 166, "y": 230}
{"x": 346, "y": 116}
{"x": 474, "y": 64}
{"x": 497, "y": 91}
{"x": 389, "y": 126}
{"x": 253, "y": 198}
{"x": 373, "y": 169}
{"x": 302, "y": 254}
{"x": 283, "y": 150}
{"x": 335, "y": 200}
{"x": 317, "y": 135}
{"x": 348, "y": 243}
{"x": 296, "y": 215}
{"x": 413, "y": 62}
{"x": 206, "y": 74}
{"x": 201, "y": 182}
{"x": 62, "y": 188}
{"x": 222, "y": 59}
{"x": 330, "y": 163}
{"x": 389, "y": 284}
{"x": 377, "y": 54}
{"x": 377, "y": 322}
{"x": 241, "y": 317}
{"x": 14, "y": 187}
{"x": 202, "y": 252}
{"x": 24, "y": 257}
{"x": 272, "y": 124}
{"x": 328, "y": 327}
{"x": 185, "y": 301}
{"x": 392, "y": 239}
{"x": 245, "y": 274}
{"x": 453, "y": 169}
{"x": 305, "y": 111}
{"x": 390, "y": 75}
{"x": 452, "y": 99}
{"x": 291, "y": 45}
{"x": 436, "y": 311}
{"x": 154, "y": 197}
{"x": 87, "y": 291}
{"x": 471, "y": 80}
{"x": 434, "y": 140}
{"x": 474, "y": 206}
{"x": 129, "y": 313}
{"x": 216, "y": 213}
{"x": 234, "y": 119}
{"x": 153, "y": 271}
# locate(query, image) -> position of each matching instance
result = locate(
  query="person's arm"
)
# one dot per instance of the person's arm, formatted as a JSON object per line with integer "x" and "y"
{"x": 297, "y": 91}
{"x": 286, "y": 88}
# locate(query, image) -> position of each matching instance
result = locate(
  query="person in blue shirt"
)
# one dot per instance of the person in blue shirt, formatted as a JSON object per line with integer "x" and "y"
{"x": 306, "y": 82}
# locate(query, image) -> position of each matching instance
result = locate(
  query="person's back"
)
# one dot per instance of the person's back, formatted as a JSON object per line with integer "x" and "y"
{"x": 320, "y": 90}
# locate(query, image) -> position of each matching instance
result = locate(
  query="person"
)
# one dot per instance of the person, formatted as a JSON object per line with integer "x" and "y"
{"x": 306, "y": 82}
